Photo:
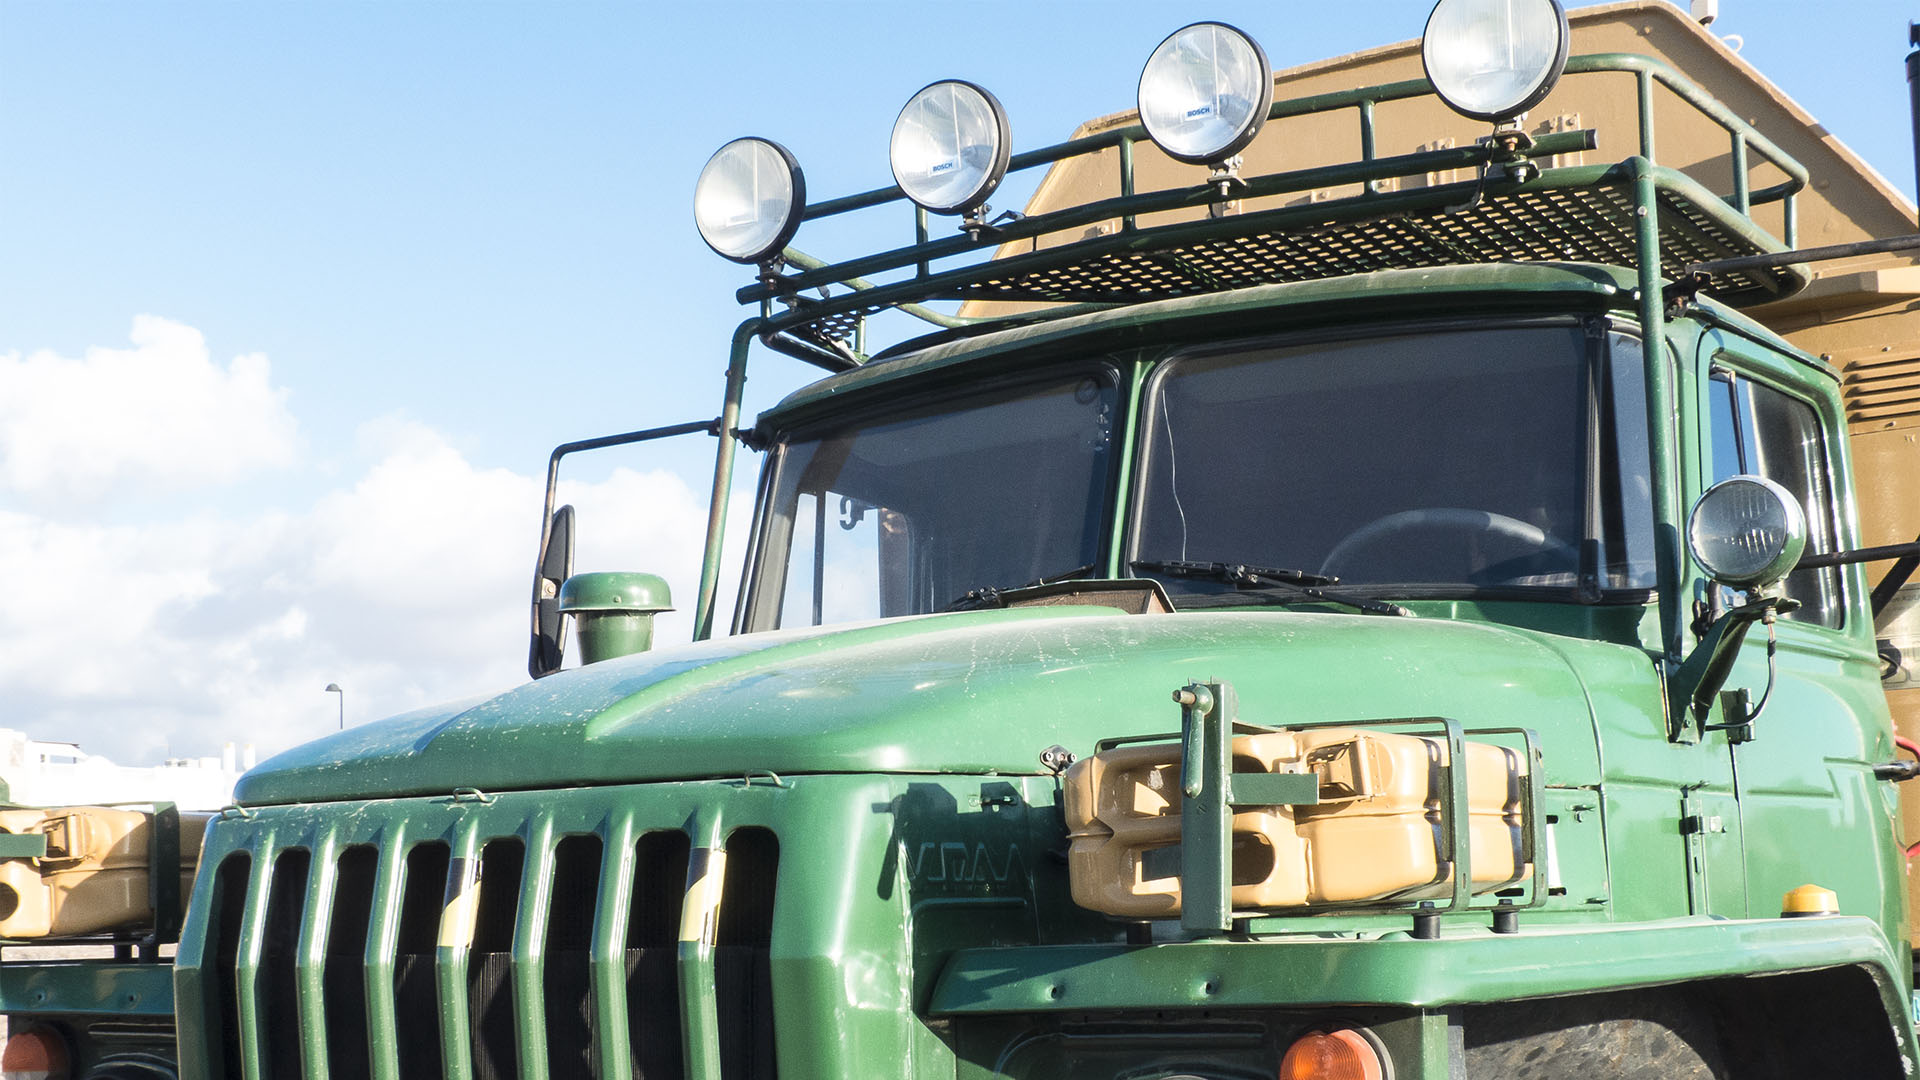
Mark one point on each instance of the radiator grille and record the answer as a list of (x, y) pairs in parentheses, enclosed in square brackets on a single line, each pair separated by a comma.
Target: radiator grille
[(508, 946)]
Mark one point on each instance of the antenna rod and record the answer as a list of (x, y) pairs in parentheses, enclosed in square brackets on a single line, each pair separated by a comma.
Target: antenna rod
[(1913, 95)]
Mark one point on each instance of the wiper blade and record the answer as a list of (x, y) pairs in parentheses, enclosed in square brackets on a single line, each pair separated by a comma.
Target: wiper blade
[(1233, 573), (1300, 583), (989, 595)]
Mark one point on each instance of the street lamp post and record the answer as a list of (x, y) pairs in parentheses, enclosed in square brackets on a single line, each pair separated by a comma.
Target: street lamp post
[(334, 688)]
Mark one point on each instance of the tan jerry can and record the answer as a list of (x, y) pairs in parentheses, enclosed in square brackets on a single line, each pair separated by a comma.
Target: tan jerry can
[(1374, 836), (93, 877)]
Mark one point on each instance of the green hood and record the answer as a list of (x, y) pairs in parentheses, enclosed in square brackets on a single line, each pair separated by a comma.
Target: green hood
[(973, 692)]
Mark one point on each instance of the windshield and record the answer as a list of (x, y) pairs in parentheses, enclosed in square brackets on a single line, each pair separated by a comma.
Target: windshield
[(1448, 459), (906, 513)]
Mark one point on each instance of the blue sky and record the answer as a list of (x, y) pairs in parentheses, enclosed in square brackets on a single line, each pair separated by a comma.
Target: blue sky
[(384, 256)]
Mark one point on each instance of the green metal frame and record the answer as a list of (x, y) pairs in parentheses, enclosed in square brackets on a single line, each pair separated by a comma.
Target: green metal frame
[(1211, 791)]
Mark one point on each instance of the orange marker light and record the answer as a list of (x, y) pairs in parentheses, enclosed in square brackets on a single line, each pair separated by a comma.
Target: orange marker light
[(34, 1055), (1334, 1055), (1809, 901)]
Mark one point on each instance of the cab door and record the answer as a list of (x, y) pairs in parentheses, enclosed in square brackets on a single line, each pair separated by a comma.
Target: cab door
[(1809, 807)]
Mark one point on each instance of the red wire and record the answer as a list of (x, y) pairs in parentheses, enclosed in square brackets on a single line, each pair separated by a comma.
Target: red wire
[(1913, 748)]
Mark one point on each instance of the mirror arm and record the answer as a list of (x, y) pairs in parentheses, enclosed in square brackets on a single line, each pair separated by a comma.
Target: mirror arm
[(1705, 670), (1902, 571), (1896, 578), (550, 567)]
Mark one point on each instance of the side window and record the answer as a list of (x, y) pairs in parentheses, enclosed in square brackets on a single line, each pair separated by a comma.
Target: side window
[(1787, 448), (1761, 431)]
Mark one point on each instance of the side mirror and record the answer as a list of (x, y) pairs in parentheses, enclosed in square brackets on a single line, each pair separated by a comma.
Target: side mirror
[(553, 567), (614, 611)]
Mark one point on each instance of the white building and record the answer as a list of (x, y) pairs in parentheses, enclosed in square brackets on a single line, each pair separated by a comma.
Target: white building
[(40, 773)]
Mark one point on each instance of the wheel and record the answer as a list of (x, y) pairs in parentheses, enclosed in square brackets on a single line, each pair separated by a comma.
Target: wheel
[(1636, 1035)]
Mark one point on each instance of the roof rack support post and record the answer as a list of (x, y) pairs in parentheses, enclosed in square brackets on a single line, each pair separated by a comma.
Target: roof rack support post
[(1367, 148), (1126, 178), (1663, 455), (1643, 78), (722, 478), (1740, 188), (1913, 94)]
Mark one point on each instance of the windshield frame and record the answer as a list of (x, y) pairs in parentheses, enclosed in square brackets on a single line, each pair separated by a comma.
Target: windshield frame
[(886, 403), (1191, 593)]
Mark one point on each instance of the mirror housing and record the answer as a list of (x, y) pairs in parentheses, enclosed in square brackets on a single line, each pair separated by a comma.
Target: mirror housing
[(554, 566), (614, 612)]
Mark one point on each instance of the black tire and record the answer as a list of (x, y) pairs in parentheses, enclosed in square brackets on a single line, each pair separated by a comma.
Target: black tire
[(1634, 1035)]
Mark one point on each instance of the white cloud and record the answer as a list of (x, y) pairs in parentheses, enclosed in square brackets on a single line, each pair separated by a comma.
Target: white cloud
[(162, 413), (406, 584)]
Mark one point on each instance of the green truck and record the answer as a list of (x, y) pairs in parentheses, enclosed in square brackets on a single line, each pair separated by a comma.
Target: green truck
[(1366, 585)]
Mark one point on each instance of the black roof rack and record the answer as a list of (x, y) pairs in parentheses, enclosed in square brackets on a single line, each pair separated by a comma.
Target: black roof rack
[(1514, 211)]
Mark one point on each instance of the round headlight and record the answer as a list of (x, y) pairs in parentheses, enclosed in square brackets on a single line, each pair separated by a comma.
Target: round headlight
[(1494, 59), (950, 147), (1205, 92), (1747, 531), (748, 201)]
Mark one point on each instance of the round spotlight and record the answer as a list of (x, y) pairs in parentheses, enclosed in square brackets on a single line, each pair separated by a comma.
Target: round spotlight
[(1494, 59), (1205, 92), (950, 147), (1747, 532), (748, 201)]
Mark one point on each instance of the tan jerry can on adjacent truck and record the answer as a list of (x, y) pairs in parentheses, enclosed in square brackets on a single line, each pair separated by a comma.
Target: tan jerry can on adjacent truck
[(1375, 835), (94, 876)]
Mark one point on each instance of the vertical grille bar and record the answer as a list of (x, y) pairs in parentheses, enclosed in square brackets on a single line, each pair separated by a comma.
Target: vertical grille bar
[(246, 962), (457, 913), (310, 960), (383, 934), (699, 1012), (530, 950), (608, 969)]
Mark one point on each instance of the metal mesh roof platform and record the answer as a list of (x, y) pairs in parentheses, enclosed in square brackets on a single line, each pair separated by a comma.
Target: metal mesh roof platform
[(1583, 214), (1561, 225)]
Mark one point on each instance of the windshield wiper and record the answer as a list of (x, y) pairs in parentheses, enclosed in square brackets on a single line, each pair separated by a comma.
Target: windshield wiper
[(1299, 582), (989, 595)]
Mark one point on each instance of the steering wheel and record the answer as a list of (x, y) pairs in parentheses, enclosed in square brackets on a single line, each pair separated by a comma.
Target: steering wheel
[(1452, 519)]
